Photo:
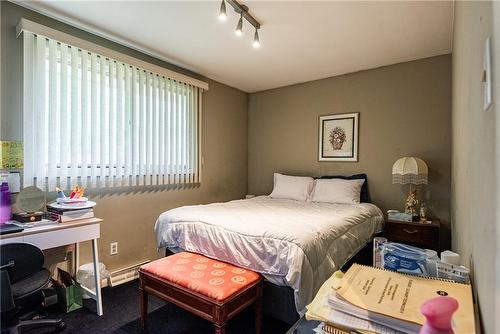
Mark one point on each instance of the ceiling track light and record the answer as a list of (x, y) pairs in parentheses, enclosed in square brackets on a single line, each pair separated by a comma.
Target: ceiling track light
[(244, 13), (256, 41), (222, 11), (239, 27)]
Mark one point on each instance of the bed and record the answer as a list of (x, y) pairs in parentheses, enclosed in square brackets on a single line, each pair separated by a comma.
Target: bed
[(292, 243)]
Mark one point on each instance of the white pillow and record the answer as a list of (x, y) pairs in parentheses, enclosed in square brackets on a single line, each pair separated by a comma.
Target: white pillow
[(292, 187), (337, 191)]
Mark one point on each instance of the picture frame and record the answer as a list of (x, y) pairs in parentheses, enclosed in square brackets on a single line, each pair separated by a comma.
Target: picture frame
[(338, 138)]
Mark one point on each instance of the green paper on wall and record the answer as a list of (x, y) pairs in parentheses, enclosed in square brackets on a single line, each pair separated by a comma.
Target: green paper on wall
[(11, 154)]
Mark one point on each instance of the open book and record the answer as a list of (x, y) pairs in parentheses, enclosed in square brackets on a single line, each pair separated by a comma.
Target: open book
[(394, 299)]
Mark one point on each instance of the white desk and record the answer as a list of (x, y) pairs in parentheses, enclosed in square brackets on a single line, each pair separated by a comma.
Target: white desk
[(62, 234)]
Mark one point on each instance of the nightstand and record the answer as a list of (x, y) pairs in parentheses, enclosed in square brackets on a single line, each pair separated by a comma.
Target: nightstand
[(415, 233)]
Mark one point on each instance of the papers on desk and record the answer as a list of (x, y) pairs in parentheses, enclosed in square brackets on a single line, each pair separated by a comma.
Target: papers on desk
[(368, 300), (351, 324), (366, 320), (321, 310), (42, 222)]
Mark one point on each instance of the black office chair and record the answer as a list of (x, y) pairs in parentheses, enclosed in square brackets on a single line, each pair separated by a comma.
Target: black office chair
[(22, 280)]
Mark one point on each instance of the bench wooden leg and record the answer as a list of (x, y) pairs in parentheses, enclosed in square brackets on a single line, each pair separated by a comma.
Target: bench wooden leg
[(144, 308), (220, 328)]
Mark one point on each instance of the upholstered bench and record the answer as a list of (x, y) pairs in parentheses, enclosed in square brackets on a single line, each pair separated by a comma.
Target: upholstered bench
[(211, 289)]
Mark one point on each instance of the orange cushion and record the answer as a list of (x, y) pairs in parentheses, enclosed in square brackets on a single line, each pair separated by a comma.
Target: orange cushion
[(212, 278)]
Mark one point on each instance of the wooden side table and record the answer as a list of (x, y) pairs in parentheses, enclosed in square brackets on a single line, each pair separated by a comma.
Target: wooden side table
[(423, 235)]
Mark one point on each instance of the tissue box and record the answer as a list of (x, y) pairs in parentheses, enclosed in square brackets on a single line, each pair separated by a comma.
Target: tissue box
[(399, 216)]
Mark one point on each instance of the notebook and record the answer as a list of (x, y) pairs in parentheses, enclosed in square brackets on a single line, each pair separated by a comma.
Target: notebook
[(320, 310), (8, 229), (397, 297)]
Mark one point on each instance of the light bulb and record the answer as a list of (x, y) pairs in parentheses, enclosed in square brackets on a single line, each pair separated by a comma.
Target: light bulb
[(239, 27), (256, 41), (222, 11), (222, 17)]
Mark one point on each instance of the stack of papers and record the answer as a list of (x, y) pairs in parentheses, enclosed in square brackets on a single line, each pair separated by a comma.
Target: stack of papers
[(368, 300), (370, 320), (321, 310)]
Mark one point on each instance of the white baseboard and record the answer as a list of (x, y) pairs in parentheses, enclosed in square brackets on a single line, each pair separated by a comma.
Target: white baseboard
[(126, 274)]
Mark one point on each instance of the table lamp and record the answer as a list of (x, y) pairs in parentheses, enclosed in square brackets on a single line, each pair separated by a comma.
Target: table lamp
[(412, 171)]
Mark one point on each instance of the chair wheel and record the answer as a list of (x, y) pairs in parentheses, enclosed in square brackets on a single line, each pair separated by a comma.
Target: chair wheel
[(61, 325)]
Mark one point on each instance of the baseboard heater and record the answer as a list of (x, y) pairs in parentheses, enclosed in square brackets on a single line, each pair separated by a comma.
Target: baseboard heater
[(126, 274)]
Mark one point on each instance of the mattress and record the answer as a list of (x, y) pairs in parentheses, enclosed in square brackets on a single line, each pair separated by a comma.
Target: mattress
[(292, 243)]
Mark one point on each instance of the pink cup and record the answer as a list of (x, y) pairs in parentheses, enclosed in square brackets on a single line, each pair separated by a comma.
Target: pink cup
[(438, 312)]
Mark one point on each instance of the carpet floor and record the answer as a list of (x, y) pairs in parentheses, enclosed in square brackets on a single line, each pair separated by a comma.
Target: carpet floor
[(121, 316)]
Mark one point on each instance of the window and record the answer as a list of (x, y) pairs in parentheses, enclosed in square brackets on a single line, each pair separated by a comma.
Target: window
[(99, 122)]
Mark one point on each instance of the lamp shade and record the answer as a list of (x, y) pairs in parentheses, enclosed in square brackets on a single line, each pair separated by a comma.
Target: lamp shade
[(409, 170)]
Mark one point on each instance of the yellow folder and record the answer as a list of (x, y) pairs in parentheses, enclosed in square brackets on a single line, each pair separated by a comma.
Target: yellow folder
[(400, 296)]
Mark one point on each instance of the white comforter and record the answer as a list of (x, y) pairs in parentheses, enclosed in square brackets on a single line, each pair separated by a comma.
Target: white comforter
[(298, 243)]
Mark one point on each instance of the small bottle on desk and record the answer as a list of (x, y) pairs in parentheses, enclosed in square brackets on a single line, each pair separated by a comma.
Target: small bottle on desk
[(5, 208)]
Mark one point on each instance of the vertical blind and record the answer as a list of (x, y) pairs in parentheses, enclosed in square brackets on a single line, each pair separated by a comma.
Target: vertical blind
[(98, 122)]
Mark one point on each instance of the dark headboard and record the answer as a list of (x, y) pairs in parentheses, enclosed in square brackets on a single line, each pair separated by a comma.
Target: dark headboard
[(365, 195)]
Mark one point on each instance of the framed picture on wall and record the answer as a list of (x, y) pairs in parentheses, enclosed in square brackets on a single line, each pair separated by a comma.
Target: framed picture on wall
[(338, 137)]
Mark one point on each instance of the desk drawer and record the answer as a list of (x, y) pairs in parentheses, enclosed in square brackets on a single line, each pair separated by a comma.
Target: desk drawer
[(51, 239)]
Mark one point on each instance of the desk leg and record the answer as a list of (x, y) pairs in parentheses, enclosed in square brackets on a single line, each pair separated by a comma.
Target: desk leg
[(77, 257), (97, 277)]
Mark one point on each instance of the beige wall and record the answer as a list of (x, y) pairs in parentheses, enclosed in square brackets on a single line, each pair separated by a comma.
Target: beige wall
[(404, 110), (474, 197), (129, 216), (496, 71)]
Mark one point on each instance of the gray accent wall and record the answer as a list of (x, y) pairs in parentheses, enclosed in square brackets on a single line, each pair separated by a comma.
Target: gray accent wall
[(404, 110)]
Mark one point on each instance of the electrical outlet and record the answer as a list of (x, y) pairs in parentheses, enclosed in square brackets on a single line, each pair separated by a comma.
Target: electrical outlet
[(113, 248)]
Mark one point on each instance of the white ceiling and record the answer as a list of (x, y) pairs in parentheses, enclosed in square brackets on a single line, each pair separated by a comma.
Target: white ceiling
[(301, 40)]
